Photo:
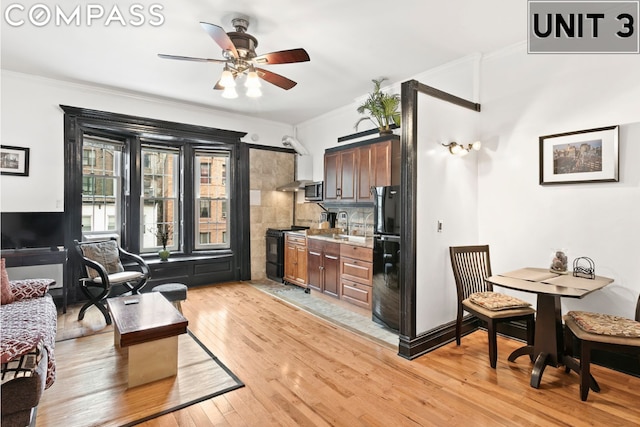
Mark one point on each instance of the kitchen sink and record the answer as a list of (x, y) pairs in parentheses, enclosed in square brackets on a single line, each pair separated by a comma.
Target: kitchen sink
[(349, 238)]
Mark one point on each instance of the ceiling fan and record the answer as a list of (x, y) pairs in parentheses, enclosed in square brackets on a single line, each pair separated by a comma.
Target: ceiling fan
[(240, 58)]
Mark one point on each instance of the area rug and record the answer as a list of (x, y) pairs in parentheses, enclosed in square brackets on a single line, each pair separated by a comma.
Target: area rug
[(91, 384)]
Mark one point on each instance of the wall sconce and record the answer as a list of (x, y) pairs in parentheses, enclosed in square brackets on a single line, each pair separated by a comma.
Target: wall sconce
[(461, 150)]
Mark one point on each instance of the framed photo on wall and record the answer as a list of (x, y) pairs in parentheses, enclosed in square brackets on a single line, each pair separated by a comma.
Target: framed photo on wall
[(579, 157), (14, 160)]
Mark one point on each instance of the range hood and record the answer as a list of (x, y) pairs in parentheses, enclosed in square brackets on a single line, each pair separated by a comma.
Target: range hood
[(302, 176), (294, 185)]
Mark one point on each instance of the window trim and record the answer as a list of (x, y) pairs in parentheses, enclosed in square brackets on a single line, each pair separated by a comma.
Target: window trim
[(234, 263)]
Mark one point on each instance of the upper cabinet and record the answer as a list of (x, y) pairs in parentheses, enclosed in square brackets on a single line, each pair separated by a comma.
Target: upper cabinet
[(350, 172), (340, 175)]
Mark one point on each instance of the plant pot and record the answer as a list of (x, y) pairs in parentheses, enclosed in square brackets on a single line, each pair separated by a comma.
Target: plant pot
[(384, 132), (164, 255)]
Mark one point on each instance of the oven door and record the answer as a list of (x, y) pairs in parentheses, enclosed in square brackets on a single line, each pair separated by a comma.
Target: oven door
[(273, 249)]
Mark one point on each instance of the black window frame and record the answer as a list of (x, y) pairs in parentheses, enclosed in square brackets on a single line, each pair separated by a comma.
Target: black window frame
[(190, 138)]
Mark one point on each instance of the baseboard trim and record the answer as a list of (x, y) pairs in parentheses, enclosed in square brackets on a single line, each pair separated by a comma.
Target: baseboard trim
[(410, 349)]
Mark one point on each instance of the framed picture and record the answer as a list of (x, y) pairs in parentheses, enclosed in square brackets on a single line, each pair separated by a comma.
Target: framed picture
[(579, 157), (14, 160)]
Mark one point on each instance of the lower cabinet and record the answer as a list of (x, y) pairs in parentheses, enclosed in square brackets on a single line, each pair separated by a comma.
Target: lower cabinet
[(295, 259), (323, 267), (356, 274)]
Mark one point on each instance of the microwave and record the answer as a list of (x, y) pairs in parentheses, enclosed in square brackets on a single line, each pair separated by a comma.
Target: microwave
[(313, 192)]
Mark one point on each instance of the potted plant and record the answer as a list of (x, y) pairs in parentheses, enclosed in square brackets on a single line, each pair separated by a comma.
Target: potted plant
[(162, 232), (381, 108)]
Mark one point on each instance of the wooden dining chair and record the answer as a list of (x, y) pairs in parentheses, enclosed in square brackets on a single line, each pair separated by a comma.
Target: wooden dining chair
[(471, 266), (597, 331)]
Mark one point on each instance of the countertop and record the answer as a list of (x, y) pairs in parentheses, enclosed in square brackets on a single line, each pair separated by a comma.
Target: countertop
[(331, 235)]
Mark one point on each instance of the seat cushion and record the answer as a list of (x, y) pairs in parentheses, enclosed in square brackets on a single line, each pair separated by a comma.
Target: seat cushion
[(478, 310), (496, 301), (121, 277), (105, 254), (599, 338), (605, 324)]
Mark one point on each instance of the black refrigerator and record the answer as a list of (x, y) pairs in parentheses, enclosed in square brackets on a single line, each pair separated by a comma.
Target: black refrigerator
[(386, 257)]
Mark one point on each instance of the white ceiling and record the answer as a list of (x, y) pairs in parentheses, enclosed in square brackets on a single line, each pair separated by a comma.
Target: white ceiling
[(350, 42)]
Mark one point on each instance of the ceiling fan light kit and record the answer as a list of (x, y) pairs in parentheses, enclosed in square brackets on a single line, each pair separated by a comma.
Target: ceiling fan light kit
[(240, 59)]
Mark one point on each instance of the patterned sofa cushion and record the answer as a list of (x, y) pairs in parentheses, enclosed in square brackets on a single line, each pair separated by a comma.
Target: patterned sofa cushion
[(496, 301), (606, 324), (30, 288), (24, 325), (23, 366)]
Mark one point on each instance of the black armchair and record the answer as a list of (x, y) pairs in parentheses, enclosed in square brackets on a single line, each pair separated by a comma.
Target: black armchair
[(104, 275)]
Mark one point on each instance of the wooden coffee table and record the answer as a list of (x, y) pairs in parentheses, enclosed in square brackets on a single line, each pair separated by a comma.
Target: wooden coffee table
[(148, 325)]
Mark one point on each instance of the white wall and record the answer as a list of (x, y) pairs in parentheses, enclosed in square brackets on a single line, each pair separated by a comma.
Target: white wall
[(527, 96), (31, 117), (493, 196)]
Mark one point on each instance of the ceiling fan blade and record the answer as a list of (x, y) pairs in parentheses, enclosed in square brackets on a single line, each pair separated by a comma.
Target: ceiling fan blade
[(220, 36), (190, 58), (283, 57), (275, 79)]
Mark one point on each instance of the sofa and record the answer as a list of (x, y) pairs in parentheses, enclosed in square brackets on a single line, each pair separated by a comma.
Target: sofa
[(27, 333)]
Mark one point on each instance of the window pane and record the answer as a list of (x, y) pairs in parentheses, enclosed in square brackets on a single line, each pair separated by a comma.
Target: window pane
[(101, 184), (159, 201), (212, 193)]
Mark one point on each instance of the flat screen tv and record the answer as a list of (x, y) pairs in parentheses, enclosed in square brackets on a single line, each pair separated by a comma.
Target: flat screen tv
[(22, 230)]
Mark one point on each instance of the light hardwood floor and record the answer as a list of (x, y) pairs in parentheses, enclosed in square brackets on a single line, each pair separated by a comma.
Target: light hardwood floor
[(300, 370)]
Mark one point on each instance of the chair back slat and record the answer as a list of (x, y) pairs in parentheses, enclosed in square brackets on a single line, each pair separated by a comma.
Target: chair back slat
[(471, 266)]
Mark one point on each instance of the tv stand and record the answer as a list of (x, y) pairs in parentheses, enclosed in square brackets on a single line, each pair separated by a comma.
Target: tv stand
[(34, 263)]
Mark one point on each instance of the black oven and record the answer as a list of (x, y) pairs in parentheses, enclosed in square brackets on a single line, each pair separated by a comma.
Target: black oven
[(275, 251)]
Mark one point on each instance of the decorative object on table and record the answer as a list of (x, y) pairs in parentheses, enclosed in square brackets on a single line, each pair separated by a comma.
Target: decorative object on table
[(584, 267), (559, 262), (577, 157), (382, 109), (14, 160), (162, 232)]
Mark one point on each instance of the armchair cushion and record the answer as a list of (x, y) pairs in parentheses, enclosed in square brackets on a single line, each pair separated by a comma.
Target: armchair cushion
[(605, 324), (104, 253), (121, 277), (496, 301)]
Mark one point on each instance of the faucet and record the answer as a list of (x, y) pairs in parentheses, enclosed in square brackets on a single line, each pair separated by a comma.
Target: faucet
[(366, 224), (343, 217)]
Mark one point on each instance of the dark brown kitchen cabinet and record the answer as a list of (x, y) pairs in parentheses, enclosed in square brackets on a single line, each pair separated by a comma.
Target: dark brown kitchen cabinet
[(340, 175), (356, 275), (350, 172), (323, 266), (295, 259), (376, 164)]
